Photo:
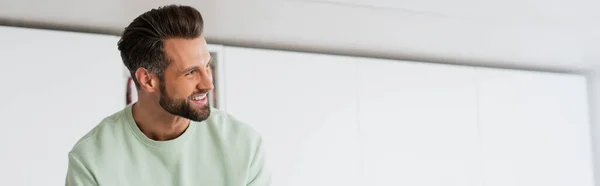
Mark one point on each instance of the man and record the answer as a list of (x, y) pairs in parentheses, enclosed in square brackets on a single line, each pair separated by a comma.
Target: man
[(171, 136)]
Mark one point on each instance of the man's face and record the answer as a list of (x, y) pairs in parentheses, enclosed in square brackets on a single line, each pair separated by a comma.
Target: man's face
[(188, 78)]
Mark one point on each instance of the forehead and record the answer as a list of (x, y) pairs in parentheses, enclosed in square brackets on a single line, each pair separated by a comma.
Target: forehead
[(183, 53)]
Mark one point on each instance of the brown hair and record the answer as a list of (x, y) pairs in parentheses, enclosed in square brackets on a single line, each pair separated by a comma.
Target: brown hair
[(141, 44)]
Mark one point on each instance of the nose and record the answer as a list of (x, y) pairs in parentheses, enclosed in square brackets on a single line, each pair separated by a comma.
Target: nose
[(206, 81)]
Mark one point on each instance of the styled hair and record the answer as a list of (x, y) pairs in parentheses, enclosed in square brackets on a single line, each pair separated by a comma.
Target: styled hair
[(141, 44)]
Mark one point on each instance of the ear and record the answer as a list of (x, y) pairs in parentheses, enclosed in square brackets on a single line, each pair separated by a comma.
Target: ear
[(148, 81)]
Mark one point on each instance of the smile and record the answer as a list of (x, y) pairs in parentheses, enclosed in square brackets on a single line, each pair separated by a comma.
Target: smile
[(199, 97)]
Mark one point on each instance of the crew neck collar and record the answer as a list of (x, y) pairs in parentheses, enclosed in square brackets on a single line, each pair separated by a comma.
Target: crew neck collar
[(158, 145)]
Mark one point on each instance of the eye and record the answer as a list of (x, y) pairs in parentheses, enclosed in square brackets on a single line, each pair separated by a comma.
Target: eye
[(190, 73), (208, 65)]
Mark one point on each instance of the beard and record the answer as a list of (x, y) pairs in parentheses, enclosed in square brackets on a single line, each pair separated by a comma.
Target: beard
[(182, 107)]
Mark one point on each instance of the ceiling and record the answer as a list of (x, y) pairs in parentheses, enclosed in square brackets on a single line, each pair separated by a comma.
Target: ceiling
[(553, 35)]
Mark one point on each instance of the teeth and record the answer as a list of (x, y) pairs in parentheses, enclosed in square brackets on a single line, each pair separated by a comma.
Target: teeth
[(199, 97)]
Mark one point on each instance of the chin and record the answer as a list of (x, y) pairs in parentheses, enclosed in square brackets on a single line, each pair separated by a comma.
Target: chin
[(201, 114)]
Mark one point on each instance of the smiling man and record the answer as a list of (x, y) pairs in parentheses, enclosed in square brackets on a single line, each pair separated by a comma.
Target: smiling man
[(171, 135)]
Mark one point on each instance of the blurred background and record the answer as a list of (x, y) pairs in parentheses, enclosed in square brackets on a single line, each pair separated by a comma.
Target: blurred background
[(345, 92)]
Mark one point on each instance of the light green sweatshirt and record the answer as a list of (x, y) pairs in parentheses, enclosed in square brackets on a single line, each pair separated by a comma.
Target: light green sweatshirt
[(220, 151)]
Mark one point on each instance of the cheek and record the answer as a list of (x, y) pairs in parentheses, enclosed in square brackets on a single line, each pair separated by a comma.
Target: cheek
[(184, 88), (175, 89)]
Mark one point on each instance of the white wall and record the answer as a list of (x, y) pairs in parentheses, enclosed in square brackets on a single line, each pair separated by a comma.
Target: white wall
[(56, 86), (534, 34)]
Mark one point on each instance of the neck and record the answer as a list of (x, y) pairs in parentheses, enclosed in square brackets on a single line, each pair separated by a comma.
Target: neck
[(156, 123)]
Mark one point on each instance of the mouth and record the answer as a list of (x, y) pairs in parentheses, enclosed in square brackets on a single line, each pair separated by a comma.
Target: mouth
[(200, 98)]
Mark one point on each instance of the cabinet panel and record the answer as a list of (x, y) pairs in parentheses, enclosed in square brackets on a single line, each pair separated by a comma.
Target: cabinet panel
[(535, 128), (418, 124), (331, 120), (305, 105), (56, 86)]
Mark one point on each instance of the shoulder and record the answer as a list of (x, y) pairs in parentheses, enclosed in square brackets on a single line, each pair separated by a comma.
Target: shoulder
[(229, 125), (100, 136), (236, 136)]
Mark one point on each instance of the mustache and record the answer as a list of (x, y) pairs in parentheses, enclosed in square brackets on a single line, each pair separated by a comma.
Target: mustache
[(200, 92)]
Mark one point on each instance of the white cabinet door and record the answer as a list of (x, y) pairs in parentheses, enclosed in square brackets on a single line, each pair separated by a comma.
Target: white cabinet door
[(305, 105), (535, 128), (56, 86), (418, 124)]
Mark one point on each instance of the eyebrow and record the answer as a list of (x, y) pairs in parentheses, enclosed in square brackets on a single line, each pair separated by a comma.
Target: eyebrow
[(210, 61)]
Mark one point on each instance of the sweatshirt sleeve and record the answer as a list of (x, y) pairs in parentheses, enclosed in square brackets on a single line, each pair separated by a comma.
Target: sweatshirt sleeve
[(78, 174), (259, 173)]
